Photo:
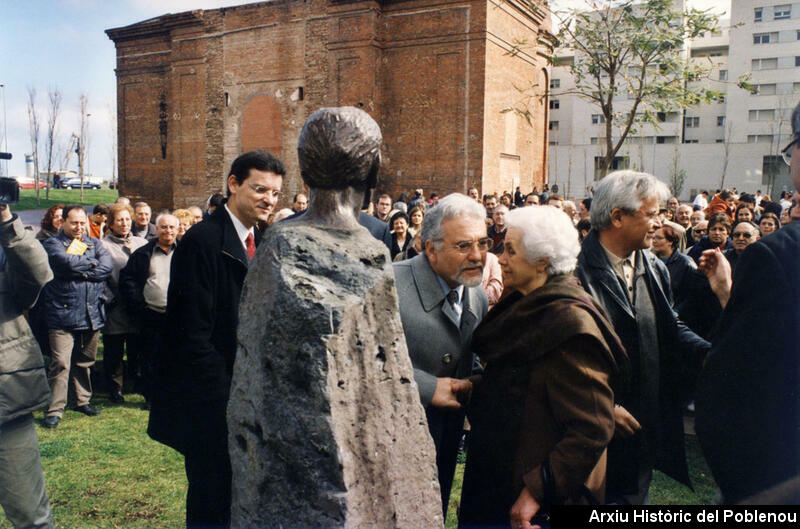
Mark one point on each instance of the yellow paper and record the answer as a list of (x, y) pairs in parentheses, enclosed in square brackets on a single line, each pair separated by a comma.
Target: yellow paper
[(76, 247)]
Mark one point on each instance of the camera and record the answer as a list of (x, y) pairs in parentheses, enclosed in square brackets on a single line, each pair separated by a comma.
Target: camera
[(9, 191)]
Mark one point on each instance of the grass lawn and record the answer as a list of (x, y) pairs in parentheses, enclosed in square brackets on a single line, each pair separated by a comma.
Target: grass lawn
[(27, 198)]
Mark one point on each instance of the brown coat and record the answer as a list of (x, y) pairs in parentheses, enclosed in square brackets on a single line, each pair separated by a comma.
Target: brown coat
[(544, 406)]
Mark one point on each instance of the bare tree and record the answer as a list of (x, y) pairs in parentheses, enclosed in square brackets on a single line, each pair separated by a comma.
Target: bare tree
[(33, 130), (53, 109), (83, 139)]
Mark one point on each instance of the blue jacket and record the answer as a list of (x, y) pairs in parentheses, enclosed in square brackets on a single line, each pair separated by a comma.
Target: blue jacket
[(73, 301)]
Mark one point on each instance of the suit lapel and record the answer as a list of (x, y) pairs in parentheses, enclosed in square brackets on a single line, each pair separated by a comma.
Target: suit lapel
[(430, 291), (231, 244)]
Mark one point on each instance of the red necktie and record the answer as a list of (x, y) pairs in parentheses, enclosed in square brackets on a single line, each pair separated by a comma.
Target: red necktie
[(251, 245)]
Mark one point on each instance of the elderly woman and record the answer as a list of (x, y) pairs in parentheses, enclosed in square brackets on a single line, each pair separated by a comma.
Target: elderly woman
[(120, 329), (401, 239), (542, 412)]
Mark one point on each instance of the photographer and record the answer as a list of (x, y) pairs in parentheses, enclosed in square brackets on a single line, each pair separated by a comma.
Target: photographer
[(23, 384)]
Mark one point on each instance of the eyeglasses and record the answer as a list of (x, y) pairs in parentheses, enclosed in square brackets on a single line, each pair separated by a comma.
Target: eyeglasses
[(700, 232), (743, 234), (786, 153), (464, 247), (264, 191)]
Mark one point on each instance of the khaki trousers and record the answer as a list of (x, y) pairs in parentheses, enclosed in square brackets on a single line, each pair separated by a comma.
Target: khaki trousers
[(73, 353)]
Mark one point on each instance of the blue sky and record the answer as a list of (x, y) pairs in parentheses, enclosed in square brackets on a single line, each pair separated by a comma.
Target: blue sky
[(61, 43)]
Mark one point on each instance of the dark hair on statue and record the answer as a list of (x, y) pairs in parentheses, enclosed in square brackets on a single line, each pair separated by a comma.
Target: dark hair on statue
[(340, 148), (259, 160)]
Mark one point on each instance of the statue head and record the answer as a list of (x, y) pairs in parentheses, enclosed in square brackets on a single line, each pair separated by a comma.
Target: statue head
[(340, 148)]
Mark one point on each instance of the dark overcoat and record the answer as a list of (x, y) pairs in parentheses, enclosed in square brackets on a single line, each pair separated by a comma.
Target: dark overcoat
[(206, 277), (748, 395), (542, 412), (677, 361)]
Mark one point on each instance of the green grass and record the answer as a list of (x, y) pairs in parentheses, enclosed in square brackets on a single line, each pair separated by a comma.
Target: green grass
[(27, 198), (105, 472)]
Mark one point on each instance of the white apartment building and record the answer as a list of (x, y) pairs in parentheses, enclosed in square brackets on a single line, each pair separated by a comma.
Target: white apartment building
[(735, 143)]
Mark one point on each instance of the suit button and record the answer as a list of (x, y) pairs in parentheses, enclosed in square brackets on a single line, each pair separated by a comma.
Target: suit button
[(446, 359)]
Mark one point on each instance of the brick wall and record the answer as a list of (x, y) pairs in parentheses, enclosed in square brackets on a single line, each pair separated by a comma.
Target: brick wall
[(435, 74)]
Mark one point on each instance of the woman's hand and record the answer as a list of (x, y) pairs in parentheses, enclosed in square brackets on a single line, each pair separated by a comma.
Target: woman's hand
[(523, 510), (626, 424)]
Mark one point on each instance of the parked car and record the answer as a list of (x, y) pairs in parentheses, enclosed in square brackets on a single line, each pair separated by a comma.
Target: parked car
[(75, 183), (29, 183)]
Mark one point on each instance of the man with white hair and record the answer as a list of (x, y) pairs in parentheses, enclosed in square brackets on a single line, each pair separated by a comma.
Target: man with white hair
[(441, 303), (633, 286), (143, 285)]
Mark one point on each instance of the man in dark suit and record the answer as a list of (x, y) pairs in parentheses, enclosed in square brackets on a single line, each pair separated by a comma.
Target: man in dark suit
[(748, 409), (441, 303), (633, 286), (206, 277)]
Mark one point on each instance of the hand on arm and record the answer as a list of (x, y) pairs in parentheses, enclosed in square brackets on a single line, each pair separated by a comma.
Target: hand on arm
[(450, 393), (626, 424), (523, 510), (717, 269)]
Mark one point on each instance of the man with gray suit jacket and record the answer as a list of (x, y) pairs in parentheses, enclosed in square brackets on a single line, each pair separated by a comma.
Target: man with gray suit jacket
[(441, 303)]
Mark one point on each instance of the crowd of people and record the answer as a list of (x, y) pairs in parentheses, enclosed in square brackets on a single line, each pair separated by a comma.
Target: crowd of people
[(569, 338)]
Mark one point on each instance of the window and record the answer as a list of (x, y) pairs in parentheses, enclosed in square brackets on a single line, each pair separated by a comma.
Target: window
[(661, 117), (765, 89), (795, 88), (723, 75), (797, 61), (766, 64), (554, 104), (593, 140), (666, 139), (720, 121), (553, 142), (553, 125), (720, 141), (598, 118), (798, 34), (758, 14), (764, 114), (691, 141), (692, 122), (782, 12), (555, 83), (762, 38), (759, 138)]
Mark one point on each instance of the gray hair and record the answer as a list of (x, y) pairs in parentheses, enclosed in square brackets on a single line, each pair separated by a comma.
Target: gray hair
[(142, 205), (451, 206), (624, 190), (164, 215), (547, 232)]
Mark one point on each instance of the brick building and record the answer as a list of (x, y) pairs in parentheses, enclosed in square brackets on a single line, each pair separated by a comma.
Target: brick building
[(196, 89)]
